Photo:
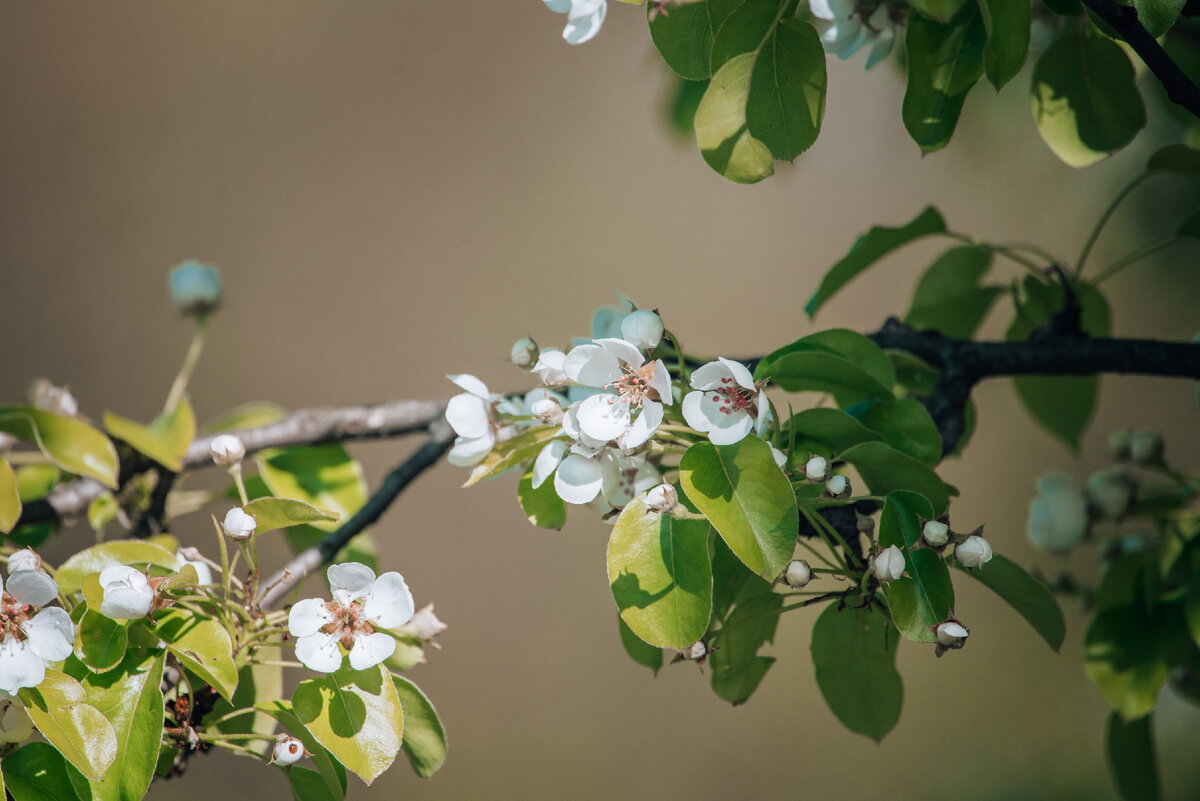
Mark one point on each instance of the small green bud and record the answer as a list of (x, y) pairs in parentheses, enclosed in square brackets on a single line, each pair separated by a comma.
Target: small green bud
[(196, 288)]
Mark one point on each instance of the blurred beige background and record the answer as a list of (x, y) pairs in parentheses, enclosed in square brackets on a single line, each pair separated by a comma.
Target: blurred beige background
[(398, 190)]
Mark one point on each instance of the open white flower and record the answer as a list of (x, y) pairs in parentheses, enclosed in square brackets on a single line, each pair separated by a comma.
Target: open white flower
[(24, 559), (361, 605), (127, 593), (28, 641), (581, 472), (853, 28), (640, 386), (727, 405), (471, 416), (15, 725), (549, 367), (584, 18)]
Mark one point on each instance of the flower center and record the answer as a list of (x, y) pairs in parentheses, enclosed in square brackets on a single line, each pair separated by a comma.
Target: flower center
[(348, 622), (733, 398), (633, 387), (12, 615)]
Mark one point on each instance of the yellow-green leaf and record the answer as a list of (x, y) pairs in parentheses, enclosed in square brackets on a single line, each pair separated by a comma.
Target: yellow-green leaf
[(165, 439), (71, 444), (10, 497), (59, 709)]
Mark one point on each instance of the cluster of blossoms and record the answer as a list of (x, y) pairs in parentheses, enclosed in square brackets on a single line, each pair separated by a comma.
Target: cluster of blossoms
[(31, 637)]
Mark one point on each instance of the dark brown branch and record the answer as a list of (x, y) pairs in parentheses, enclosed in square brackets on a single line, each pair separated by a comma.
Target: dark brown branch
[(1124, 20)]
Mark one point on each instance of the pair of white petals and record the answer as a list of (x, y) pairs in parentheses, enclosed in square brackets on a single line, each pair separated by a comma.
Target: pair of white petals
[(604, 417), (850, 32), (584, 18), (470, 415), (703, 409), (385, 603)]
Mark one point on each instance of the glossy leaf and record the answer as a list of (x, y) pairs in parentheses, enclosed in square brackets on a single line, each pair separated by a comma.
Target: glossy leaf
[(356, 715), (424, 740), (248, 415), (854, 651), (851, 346), (71, 444), (202, 645), (272, 513), (684, 39), (1007, 24), (37, 772), (1157, 16), (948, 297), (257, 683), (322, 475), (940, 10), (331, 772), (886, 470), (681, 110), (1130, 750), (512, 452), (748, 500), (737, 669), (1179, 159), (944, 62), (787, 90), (831, 427), (925, 596), (165, 439), (721, 132), (10, 498), (35, 481), (661, 579), (639, 650), (904, 424), (542, 506), (876, 243), (1030, 597), (101, 641), (58, 707), (118, 552), (1123, 658), (1085, 102), (744, 29)]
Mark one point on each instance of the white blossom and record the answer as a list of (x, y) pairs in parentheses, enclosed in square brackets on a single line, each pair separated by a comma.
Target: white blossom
[(889, 564), (974, 551), (640, 387), (549, 367), (584, 18), (238, 525), (951, 634), (643, 328), (287, 751), (361, 605), (936, 533), (662, 499), (424, 625), (471, 415), (24, 559), (127, 593), (581, 472), (727, 404), (58, 400), (1058, 517), (192, 556), (15, 725), (797, 573), (524, 353), (227, 449), (547, 411), (838, 487), (816, 468), (852, 28), (28, 641)]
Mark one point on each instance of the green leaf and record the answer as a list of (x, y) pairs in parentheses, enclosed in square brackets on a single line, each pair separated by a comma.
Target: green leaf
[(737, 669), (101, 511), (1192, 609), (1027, 595), (332, 774), (1063, 406), (132, 701), (356, 715), (681, 110), (831, 427), (10, 497), (906, 425), (876, 243), (744, 29), (248, 415), (660, 575), (322, 475), (944, 62), (684, 39), (512, 452), (69, 443), (850, 345), (424, 737), (886, 470), (309, 785), (1157, 16), (101, 641), (272, 513), (1085, 101), (165, 440), (948, 297), (118, 552), (1007, 24), (1131, 760), (748, 500), (787, 90), (35, 481), (638, 649), (202, 645), (924, 597), (838, 361), (940, 10), (1179, 159), (721, 132), (37, 772), (542, 506), (59, 709), (854, 651), (1123, 658)]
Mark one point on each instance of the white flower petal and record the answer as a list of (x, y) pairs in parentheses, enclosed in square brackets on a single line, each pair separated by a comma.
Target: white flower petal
[(738, 372), (19, 665), (660, 382), (625, 351), (32, 587), (592, 366), (708, 376), (468, 415), (15, 724), (389, 603), (350, 581), (644, 426), (578, 479), (738, 425), (370, 649), (549, 367), (470, 451), (122, 602), (820, 9), (584, 20), (883, 45), (603, 417), (558, 6), (547, 461), (693, 414), (123, 574), (51, 634), (472, 385), (319, 652), (307, 617)]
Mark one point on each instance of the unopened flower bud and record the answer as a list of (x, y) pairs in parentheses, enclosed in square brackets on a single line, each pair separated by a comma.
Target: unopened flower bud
[(1146, 448), (238, 525), (1118, 445), (816, 468), (547, 410), (58, 400), (288, 751), (424, 624), (696, 652), (1058, 517), (951, 634), (642, 328), (524, 353), (24, 559), (662, 499), (889, 564), (838, 487), (127, 593), (797, 573), (15, 725), (1111, 493), (973, 552), (936, 533), (227, 449), (195, 288)]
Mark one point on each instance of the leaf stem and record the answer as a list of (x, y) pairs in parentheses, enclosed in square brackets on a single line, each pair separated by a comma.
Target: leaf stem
[(1108, 212), (1137, 255), (189, 364)]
